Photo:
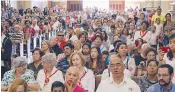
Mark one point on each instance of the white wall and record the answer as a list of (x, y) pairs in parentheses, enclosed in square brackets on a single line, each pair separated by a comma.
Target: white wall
[(39, 3), (103, 4), (14, 3)]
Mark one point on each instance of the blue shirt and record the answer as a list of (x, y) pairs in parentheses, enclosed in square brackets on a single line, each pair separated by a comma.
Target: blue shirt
[(157, 88)]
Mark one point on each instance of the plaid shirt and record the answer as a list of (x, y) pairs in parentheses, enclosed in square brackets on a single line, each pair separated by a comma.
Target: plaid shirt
[(63, 65)]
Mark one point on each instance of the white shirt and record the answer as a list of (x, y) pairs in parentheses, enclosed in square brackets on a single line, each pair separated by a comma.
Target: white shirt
[(130, 64), (153, 38), (127, 85), (88, 81), (106, 74), (159, 28), (56, 25), (145, 38), (58, 76), (73, 38), (170, 62), (36, 28)]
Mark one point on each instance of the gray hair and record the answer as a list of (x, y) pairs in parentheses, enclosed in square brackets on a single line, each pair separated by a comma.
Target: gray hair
[(49, 58), (19, 61)]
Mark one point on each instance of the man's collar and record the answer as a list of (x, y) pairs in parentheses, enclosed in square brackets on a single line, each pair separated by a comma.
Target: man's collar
[(166, 90), (112, 81)]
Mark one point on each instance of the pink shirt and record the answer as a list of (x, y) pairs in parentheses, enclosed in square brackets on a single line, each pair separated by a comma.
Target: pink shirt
[(78, 89)]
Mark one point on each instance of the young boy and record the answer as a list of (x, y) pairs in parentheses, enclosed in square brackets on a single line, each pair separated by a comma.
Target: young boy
[(153, 37)]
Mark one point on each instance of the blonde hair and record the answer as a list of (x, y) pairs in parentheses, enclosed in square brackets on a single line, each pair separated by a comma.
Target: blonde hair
[(16, 83), (81, 57)]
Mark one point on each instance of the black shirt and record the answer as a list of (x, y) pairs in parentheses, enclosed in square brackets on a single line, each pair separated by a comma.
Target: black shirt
[(31, 66), (138, 58)]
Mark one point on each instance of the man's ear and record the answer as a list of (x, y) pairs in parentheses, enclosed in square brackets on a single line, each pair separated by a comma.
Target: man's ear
[(172, 76)]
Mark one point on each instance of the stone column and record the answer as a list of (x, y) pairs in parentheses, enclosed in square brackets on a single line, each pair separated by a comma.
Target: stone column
[(172, 11)]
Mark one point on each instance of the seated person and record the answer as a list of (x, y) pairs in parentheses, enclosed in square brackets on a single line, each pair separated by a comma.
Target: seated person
[(18, 85), (19, 70), (71, 83)]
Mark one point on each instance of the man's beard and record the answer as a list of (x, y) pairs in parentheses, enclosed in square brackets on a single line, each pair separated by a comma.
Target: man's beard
[(165, 82)]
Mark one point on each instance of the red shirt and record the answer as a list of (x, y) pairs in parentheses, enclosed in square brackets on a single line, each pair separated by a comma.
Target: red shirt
[(61, 44), (79, 89), (150, 18)]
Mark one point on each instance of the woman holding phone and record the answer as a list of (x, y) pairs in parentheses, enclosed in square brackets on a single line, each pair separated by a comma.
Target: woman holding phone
[(168, 56)]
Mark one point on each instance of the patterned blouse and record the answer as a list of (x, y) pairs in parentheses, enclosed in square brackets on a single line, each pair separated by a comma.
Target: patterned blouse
[(9, 77)]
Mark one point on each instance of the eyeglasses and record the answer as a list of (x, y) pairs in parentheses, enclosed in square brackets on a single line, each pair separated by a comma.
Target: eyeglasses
[(163, 75), (60, 35), (115, 65)]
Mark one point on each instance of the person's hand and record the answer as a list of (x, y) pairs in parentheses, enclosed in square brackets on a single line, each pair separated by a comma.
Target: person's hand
[(2, 50), (161, 55), (142, 63), (68, 87)]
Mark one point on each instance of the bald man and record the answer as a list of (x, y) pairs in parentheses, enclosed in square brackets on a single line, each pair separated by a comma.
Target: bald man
[(117, 81), (72, 76)]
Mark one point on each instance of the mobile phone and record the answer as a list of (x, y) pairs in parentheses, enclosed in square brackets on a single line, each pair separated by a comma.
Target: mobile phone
[(137, 43), (165, 49)]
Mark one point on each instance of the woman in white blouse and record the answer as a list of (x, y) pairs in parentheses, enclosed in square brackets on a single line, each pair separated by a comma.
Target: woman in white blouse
[(87, 79), (143, 33), (49, 73), (129, 62)]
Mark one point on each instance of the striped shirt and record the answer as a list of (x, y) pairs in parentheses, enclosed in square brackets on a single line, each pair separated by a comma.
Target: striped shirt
[(17, 37)]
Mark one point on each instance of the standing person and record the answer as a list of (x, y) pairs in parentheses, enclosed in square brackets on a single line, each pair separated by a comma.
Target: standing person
[(165, 75), (86, 78), (146, 14), (71, 83), (150, 16), (36, 65), (158, 15), (16, 38), (168, 22), (117, 82), (159, 27), (143, 33), (140, 20), (6, 51), (153, 37)]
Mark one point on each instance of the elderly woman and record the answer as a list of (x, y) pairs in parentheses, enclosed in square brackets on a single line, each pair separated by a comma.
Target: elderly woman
[(19, 70), (49, 73), (86, 78)]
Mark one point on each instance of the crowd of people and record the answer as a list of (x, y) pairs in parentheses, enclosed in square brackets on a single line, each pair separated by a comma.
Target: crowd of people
[(93, 51)]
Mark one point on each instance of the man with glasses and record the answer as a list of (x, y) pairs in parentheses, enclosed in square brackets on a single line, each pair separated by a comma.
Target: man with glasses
[(165, 75), (61, 39), (117, 82), (158, 15)]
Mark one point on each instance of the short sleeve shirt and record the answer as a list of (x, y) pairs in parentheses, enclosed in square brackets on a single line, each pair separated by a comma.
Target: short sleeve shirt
[(9, 77)]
